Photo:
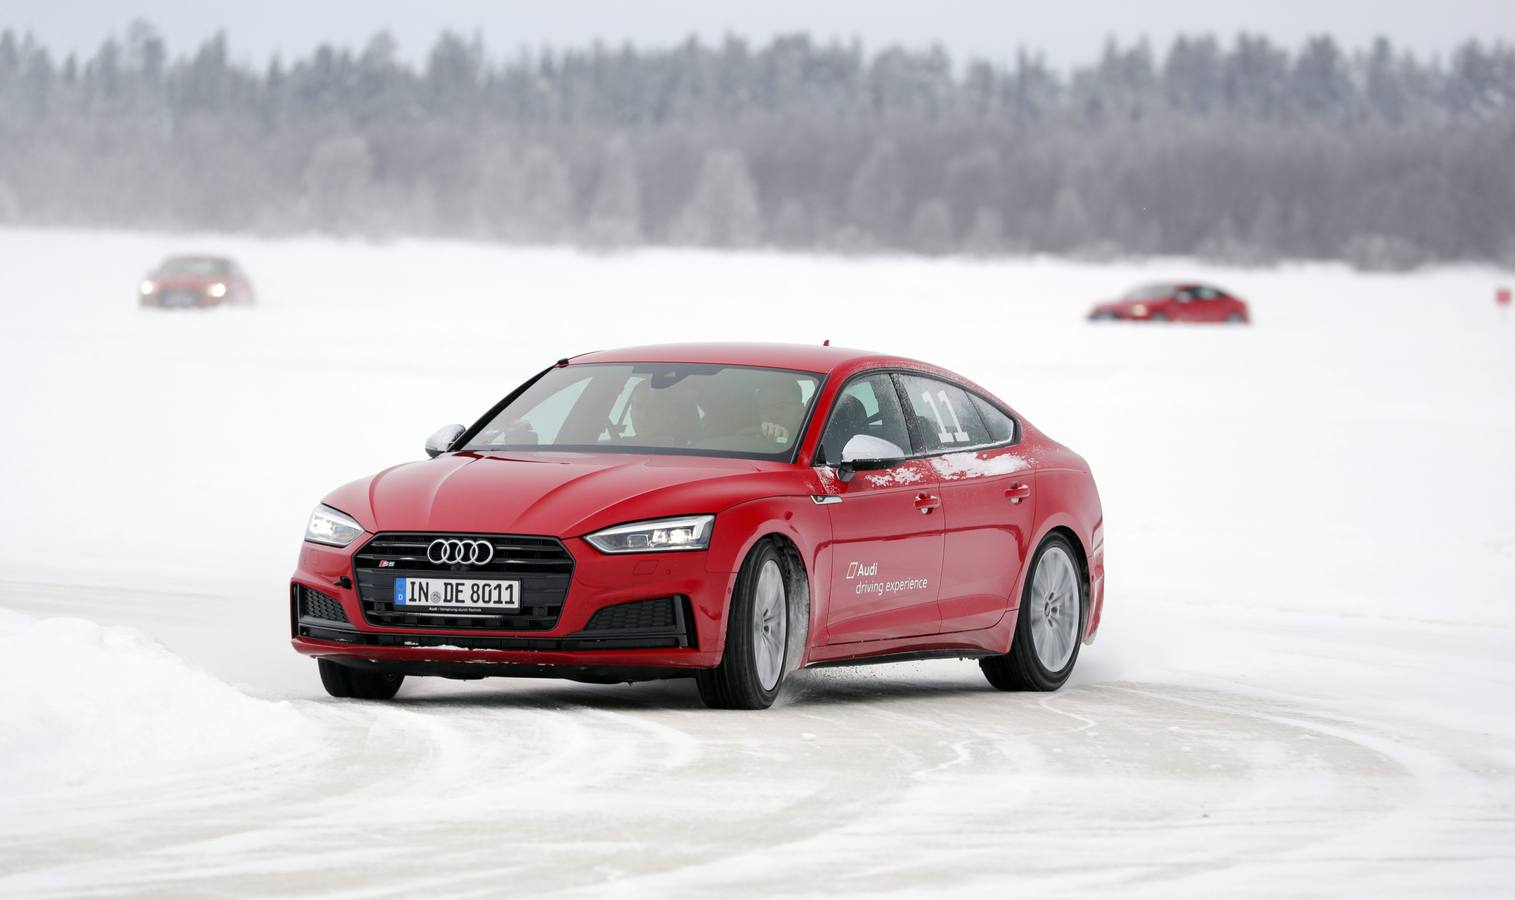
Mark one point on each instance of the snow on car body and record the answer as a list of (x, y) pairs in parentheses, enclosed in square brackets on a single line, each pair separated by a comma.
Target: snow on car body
[(731, 512)]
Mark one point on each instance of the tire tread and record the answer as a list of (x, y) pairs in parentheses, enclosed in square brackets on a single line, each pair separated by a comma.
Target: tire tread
[(1020, 670), (733, 684)]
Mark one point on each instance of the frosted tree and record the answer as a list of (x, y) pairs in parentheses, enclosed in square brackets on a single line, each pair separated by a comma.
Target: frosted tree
[(931, 228), (336, 180), (10, 204), (876, 197), (792, 225), (546, 198), (615, 212), (1068, 225), (986, 234), (723, 210), (1315, 151)]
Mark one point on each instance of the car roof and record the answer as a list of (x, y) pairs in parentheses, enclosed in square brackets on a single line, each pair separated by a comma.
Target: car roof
[(803, 357)]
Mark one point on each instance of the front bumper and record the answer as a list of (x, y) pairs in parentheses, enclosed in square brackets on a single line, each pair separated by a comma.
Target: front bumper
[(179, 300), (573, 647)]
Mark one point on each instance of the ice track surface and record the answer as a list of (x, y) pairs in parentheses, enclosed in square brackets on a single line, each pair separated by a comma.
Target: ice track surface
[(1303, 684)]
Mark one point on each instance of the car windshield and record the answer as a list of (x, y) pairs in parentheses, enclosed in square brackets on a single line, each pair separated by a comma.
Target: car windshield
[(194, 265), (1150, 292), (657, 407)]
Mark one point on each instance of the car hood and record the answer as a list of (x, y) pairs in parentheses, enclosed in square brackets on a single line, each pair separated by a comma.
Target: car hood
[(560, 494)]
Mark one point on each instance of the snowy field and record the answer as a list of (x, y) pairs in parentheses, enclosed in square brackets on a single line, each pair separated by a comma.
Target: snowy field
[(1303, 684)]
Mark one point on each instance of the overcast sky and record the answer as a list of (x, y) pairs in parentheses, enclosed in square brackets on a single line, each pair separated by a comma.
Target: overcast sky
[(1067, 30)]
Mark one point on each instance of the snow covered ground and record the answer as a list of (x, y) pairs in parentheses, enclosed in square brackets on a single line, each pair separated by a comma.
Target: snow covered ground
[(1303, 684)]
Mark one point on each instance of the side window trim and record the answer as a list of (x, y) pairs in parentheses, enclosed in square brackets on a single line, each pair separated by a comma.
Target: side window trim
[(916, 443), (903, 397)]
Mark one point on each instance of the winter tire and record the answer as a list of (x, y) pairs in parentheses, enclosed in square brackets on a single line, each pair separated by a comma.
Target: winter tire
[(757, 636), (359, 684), (1049, 626)]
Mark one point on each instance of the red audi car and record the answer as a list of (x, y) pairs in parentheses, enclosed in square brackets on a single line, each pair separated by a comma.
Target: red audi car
[(1174, 303), (195, 281), (727, 512)]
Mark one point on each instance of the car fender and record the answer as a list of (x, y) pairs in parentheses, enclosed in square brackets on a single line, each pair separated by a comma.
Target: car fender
[(1069, 500), (807, 526)]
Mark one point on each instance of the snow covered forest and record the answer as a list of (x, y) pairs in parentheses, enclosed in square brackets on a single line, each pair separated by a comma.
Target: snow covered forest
[(1237, 150)]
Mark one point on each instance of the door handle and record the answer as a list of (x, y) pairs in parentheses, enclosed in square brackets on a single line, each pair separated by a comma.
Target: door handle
[(927, 502), (1018, 492)]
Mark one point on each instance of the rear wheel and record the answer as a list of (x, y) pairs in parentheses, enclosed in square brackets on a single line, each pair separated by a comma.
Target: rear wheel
[(757, 636), (1234, 318), (1049, 625), (359, 684)]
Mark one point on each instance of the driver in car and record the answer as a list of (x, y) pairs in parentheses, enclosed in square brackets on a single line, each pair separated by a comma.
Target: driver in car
[(666, 417), (780, 407)]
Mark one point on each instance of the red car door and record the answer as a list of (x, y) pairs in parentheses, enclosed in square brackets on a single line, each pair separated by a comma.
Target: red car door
[(886, 523), (988, 495), (1209, 305), (1185, 306)]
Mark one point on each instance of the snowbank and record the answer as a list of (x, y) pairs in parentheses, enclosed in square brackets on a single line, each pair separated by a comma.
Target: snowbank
[(84, 704)]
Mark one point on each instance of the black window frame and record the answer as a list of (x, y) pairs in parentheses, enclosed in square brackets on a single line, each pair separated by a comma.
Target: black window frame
[(916, 444)]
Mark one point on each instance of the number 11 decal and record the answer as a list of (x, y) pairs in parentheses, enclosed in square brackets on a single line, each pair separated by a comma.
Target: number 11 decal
[(957, 435)]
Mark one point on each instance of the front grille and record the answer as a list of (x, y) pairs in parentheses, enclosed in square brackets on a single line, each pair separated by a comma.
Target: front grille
[(316, 605), (542, 565), (637, 615)]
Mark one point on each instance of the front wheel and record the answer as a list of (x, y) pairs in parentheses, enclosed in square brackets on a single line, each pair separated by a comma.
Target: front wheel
[(1050, 624), (359, 684), (757, 637)]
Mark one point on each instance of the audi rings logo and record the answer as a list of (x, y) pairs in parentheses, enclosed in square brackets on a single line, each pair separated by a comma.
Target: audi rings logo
[(449, 551)]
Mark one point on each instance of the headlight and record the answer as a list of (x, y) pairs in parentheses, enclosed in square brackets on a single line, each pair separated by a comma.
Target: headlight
[(217, 290), (327, 526), (1139, 310), (147, 287), (686, 533)]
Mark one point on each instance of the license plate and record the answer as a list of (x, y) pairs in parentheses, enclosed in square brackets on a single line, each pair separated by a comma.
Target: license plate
[(457, 593)]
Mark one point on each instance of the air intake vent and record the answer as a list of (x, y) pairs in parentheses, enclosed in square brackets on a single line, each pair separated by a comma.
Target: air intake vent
[(639, 614), (316, 605)]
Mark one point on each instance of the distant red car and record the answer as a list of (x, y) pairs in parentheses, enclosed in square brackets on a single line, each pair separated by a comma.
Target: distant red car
[(195, 281), (727, 512), (1174, 303)]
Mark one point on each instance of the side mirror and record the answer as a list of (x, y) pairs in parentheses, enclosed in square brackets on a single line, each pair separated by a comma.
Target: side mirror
[(864, 452), (443, 439)]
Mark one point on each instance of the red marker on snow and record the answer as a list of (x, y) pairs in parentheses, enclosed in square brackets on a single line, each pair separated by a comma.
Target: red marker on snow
[(1502, 296)]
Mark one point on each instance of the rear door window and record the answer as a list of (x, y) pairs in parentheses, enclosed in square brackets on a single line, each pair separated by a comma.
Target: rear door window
[(941, 416)]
